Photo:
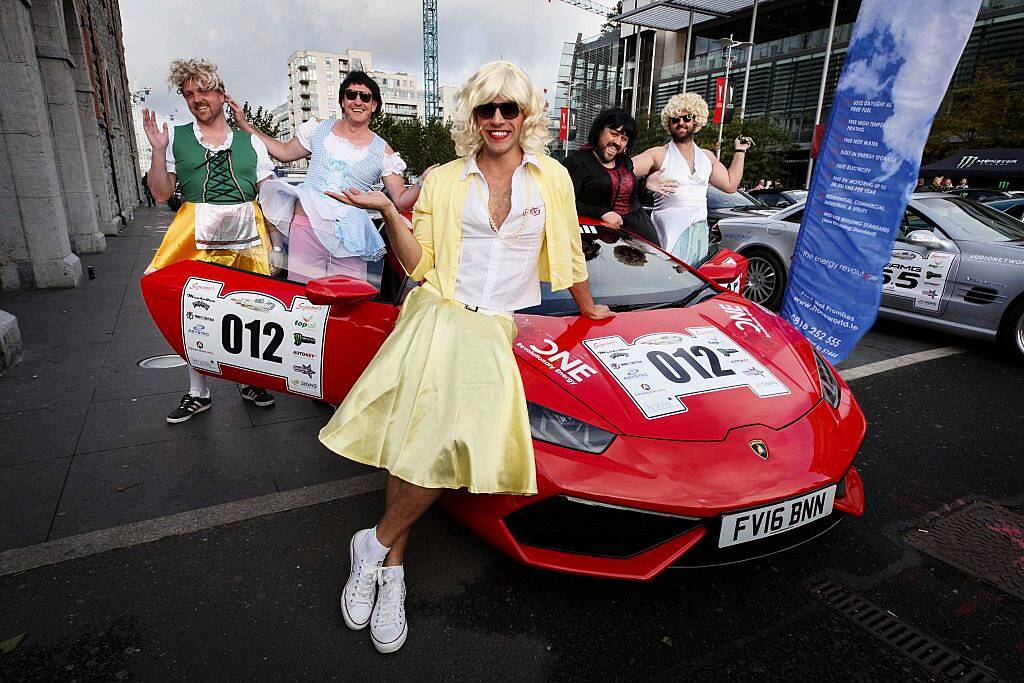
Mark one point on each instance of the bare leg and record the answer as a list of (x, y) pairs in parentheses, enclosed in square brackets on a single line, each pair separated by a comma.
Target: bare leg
[(397, 551), (405, 504)]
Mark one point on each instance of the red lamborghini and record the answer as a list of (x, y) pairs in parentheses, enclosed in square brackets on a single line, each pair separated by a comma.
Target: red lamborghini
[(695, 428)]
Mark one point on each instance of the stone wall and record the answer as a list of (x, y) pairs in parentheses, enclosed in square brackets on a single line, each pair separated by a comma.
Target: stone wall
[(68, 176)]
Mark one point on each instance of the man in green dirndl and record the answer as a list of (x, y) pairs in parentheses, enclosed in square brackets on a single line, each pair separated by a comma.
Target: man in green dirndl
[(442, 405)]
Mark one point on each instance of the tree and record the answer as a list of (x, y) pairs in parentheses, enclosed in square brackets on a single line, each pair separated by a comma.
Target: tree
[(610, 25), (420, 145), (764, 160), (264, 121), (981, 114)]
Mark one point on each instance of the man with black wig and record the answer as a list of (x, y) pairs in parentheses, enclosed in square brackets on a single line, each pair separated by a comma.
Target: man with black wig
[(602, 176)]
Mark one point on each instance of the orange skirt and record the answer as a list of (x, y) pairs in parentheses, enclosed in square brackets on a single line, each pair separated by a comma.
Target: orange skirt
[(179, 244)]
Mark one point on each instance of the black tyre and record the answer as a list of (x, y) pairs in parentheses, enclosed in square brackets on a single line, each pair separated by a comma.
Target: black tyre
[(766, 278), (1011, 333)]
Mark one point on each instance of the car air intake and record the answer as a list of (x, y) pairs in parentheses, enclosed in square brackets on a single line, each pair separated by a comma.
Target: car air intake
[(573, 525), (981, 295)]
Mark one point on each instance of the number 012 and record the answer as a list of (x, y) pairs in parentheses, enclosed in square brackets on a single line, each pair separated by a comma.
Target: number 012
[(232, 334)]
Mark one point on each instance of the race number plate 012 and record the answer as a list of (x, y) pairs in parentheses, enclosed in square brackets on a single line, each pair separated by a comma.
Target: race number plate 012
[(255, 332), (656, 370), (752, 525)]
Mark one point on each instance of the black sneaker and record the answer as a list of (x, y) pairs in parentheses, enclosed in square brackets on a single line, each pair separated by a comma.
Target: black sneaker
[(189, 406), (257, 395)]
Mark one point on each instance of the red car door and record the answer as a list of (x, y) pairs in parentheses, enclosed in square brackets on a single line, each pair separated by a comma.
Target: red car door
[(268, 331)]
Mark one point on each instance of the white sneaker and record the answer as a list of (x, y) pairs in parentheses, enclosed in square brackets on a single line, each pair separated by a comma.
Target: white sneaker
[(388, 629), (360, 589)]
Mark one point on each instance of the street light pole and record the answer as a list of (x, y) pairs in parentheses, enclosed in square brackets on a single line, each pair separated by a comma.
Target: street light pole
[(821, 89), (729, 44)]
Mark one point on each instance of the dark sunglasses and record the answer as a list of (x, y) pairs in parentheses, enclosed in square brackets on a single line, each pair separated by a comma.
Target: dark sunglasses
[(509, 110), (685, 118), (351, 95)]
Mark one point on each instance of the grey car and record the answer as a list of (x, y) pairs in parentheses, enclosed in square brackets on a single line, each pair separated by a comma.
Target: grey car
[(957, 266)]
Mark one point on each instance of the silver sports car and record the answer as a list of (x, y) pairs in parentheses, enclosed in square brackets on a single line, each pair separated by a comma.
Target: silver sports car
[(956, 266)]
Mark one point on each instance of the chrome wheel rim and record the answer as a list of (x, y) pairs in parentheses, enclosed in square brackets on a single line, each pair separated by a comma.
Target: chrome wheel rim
[(760, 280), (1018, 334)]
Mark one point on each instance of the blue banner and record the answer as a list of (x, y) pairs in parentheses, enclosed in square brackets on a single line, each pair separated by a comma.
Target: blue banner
[(898, 66)]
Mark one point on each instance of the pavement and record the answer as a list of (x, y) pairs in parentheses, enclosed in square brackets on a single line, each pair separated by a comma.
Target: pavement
[(133, 549)]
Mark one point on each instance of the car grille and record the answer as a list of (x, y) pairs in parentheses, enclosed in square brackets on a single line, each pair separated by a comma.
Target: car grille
[(572, 525), (981, 295)]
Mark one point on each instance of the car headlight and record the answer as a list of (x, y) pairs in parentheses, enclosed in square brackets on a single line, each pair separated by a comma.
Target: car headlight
[(827, 379), (562, 430)]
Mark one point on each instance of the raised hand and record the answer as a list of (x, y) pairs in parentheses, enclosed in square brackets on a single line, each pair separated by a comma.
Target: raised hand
[(158, 139), (743, 143), (363, 200)]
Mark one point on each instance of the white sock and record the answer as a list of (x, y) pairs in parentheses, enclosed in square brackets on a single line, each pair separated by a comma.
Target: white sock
[(374, 546), (197, 384)]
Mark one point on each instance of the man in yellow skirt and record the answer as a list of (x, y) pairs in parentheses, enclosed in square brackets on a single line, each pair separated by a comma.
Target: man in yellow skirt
[(442, 405), (219, 171)]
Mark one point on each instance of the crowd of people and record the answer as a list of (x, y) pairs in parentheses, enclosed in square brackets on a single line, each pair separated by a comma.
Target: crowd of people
[(941, 184), (441, 405)]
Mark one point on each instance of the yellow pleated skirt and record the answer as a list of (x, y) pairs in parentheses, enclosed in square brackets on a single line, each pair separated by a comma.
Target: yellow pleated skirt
[(179, 244), (442, 404)]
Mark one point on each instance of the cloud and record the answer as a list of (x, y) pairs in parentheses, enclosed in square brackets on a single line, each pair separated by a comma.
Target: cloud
[(925, 44), (251, 41)]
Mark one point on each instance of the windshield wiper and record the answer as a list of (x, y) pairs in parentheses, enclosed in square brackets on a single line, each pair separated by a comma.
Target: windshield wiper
[(679, 303)]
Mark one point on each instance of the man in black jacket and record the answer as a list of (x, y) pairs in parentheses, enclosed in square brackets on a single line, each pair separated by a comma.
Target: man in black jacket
[(602, 176)]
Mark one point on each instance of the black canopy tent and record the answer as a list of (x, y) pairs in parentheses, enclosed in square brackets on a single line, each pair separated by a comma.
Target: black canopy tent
[(992, 164)]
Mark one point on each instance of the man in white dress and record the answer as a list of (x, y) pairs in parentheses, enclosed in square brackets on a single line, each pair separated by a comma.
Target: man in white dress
[(682, 172)]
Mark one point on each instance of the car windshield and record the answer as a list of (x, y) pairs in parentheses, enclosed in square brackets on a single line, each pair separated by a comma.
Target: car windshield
[(797, 195), (624, 273), (731, 200), (980, 222)]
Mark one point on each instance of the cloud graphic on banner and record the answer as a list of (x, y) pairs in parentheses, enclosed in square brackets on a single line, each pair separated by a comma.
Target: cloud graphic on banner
[(902, 29)]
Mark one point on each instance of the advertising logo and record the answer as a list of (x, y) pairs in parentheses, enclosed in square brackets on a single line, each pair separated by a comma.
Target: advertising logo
[(301, 339), (303, 354), (201, 304), (306, 370), (258, 304)]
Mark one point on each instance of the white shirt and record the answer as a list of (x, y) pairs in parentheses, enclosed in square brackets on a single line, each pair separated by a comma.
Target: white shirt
[(495, 272), (264, 166), (338, 147)]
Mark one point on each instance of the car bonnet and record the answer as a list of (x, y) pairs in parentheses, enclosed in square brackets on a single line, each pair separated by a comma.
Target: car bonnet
[(689, 373)]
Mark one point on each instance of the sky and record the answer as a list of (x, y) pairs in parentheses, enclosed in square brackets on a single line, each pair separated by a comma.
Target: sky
[(250, 41)]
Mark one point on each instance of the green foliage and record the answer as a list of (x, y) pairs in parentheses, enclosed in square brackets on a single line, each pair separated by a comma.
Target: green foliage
[(981, 114), (421, 145), (764, 160), (263, 120)]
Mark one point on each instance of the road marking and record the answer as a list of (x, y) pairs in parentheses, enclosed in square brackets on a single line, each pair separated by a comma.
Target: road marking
[(147, 531), (888, 364)]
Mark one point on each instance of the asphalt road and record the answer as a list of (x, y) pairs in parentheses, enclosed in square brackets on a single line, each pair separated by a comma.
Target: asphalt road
[(258, 599)]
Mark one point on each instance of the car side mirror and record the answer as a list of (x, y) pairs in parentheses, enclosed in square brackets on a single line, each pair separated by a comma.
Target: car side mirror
[(339, 289), (923, 238)]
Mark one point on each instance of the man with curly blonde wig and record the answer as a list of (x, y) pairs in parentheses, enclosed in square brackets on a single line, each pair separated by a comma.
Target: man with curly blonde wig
[(442, 405), (219, 172), (682, 172)]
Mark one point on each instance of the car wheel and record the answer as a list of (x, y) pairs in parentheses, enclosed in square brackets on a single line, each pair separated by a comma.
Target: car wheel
[(766, 279), (1011, 333)]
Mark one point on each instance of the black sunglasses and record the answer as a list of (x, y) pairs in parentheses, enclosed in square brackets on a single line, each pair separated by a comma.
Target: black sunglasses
[(686, 118), (353, 94), (509, 110)]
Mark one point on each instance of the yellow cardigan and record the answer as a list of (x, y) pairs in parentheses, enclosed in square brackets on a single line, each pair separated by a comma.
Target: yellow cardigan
[(437, 226)]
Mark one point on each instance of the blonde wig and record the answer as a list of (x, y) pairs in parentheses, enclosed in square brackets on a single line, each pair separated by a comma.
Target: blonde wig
[(689, 102), (201, 71), (506, 80)]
